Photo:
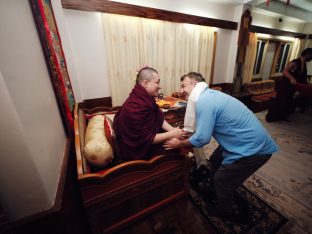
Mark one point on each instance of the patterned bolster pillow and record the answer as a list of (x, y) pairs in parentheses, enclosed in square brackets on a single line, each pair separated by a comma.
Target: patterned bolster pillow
[(97, 149)]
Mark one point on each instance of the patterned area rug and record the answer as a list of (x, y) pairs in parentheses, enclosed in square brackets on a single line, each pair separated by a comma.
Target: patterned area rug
[(263, 218)]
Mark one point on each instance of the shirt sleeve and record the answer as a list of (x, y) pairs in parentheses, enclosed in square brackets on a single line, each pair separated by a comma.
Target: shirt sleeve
[(206, 114)]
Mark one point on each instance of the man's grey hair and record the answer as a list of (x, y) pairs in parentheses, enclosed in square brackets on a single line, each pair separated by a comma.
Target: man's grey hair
[(193, 76), (146, 73)]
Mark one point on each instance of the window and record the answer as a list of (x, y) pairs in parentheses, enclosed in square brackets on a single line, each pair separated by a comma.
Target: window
[(259, 56), (271, 59), (282, 57)]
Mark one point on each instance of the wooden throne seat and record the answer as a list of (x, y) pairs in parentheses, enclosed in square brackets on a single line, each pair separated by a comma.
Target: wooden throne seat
[(118, 195)]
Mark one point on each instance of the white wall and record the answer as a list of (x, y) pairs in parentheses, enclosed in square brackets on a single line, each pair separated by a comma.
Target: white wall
[(259, 18), (83, 43), (32, 135), (224, 56), (194, 7), (307, 28), (67, 48), (89, 52), (86, 48)]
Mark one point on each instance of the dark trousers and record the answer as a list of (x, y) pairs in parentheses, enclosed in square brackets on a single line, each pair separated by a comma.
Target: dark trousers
[(226, 178), (283, 104)]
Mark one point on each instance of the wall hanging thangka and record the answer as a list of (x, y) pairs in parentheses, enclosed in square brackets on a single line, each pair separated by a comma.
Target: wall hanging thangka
[(53, 51)]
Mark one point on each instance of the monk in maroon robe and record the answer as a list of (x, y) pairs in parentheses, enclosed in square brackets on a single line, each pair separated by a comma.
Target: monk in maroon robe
[(140, 125)]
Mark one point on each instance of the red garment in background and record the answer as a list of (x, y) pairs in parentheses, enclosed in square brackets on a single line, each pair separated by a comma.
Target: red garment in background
[(136, 124), (304, 90)]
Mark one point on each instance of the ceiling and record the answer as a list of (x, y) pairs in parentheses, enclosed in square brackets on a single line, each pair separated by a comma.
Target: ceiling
[(300, 10)]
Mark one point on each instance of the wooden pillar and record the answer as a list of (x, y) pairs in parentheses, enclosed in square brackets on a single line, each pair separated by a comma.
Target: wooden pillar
[(243, 39)]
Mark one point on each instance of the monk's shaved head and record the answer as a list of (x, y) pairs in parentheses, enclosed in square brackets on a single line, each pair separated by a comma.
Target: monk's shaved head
[(146, 73)]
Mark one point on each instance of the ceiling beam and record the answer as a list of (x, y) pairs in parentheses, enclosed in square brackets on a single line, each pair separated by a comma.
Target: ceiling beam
[(145, 12), (277, 32)]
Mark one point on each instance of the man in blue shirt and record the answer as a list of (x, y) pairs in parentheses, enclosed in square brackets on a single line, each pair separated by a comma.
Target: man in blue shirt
[(245, 145)]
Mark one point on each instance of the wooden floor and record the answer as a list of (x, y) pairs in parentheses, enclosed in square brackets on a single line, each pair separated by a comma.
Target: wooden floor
[(180, 217)]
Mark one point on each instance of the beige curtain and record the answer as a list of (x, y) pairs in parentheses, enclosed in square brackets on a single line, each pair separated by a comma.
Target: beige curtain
[(172, 49), (295, 49), (250, 57)]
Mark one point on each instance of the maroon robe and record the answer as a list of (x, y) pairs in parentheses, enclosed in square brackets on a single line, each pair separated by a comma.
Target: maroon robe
[(136, 125)]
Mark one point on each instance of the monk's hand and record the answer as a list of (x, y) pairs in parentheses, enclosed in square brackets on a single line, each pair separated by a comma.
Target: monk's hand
[(172, 143)]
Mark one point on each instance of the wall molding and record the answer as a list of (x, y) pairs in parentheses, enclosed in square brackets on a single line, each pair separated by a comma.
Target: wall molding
[(145, 12)]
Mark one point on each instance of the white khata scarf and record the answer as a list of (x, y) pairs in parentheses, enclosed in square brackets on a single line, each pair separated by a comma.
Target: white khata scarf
[(189, 119)]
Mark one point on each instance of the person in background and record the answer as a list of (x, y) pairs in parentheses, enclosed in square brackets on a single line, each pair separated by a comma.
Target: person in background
[(244, 144), (139, 125), (294, 73)]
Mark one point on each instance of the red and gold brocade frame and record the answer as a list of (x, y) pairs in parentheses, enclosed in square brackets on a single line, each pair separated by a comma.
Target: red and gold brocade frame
[(55, 59)]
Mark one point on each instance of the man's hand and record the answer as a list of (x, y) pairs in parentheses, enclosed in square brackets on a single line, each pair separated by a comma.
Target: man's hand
[(186, 135), (173, 143), (176, 133)]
